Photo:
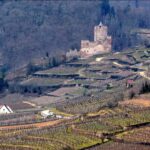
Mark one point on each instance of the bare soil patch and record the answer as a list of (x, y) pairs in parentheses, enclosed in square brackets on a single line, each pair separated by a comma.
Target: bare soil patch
[(136, 102)]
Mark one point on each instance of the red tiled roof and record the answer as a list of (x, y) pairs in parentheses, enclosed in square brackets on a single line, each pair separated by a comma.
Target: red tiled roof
[(130, 81)]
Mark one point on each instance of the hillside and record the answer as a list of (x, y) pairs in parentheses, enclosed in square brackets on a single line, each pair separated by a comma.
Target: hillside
[(29, 29), (97, 98), (101, 79), (101, 102)]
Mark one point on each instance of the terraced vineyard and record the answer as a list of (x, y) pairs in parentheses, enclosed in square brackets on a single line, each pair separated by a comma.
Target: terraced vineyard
[(120, 146), (45, 138), (128, 119), (141, 135), (39, 82), (90, 102), (104, 130), (59, 71), (95, 73), (95, 126)]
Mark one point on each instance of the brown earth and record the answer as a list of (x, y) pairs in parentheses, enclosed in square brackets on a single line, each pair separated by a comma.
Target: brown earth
[(36, 125), (136, 102)]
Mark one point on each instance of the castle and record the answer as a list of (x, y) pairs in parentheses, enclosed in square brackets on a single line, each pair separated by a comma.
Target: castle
[(101, 44)]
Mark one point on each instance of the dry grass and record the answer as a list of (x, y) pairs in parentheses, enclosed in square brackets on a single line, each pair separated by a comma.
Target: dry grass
[(136, 102), (45, 100), (66, 90)]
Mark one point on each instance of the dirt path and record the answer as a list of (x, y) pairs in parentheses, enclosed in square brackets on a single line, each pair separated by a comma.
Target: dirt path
[(117, 64), (29, 103), (81, 72), (143, 74), (99, 59), (36, 125)]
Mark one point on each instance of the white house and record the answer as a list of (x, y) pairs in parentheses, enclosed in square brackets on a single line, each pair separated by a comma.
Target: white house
[(5, 109), (46, 113)]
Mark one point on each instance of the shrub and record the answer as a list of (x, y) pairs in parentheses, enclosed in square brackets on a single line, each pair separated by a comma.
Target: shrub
[(145, 88), (131, 94)]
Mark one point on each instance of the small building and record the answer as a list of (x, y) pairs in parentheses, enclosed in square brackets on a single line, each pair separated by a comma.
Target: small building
[(129, 83), (5, 109), (46, 113), (109, 86)]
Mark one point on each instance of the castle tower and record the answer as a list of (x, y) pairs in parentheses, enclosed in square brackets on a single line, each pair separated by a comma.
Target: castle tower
[(101, 44), (100, 33)]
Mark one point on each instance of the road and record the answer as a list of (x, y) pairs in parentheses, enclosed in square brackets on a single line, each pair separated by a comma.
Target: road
[(143, 74)]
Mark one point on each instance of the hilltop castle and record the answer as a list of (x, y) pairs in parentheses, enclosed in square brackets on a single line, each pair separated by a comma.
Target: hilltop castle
[(101, 43)]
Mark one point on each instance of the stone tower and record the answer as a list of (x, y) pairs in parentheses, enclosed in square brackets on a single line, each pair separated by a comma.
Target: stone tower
[(100, 33)]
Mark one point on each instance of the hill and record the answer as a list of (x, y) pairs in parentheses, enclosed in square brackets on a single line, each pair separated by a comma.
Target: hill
[(94, 103), (102, 79), (29, 29)]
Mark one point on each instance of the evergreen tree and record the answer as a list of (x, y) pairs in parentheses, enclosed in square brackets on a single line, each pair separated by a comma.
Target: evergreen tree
[(47, 54), (3, 84), (112, 12), (105, 7), (137, 3), (54, 63)]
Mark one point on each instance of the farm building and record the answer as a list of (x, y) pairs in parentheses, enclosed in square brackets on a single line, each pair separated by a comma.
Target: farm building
[(46, 113), (129, 83), (5, 109)]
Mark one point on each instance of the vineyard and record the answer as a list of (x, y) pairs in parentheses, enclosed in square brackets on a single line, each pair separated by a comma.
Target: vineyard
[(47, 138), (59, 71), (91, 104), (121, 127), (141, 135), (120, 146)]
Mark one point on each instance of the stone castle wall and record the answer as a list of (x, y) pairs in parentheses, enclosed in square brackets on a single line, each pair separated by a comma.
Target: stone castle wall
[(87, 44), (72, 53)]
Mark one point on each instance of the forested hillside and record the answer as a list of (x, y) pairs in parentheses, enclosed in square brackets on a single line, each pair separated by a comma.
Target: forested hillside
[(29, 29)]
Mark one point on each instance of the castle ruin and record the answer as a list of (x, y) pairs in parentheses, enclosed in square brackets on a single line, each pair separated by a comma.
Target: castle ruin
[(101, 44)]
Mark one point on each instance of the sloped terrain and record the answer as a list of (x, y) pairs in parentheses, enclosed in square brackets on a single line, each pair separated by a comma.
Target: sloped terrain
[(101, 79), (91, 102), (29, 29)]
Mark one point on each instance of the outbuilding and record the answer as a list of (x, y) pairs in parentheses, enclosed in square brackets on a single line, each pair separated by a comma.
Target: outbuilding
[(5, 109), (46, 113)]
